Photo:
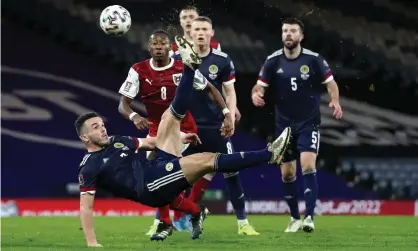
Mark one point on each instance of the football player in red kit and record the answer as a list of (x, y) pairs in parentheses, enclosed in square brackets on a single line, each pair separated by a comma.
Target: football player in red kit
[(155, 81)]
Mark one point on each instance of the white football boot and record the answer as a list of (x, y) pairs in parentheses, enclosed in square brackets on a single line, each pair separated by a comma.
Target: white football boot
[(294, 226), (308, 224), (188, 56), (279, 146)]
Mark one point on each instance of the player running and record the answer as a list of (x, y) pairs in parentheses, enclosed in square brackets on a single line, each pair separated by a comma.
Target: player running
[(218, 68), (155, 80), (113, 164), (297, 76)]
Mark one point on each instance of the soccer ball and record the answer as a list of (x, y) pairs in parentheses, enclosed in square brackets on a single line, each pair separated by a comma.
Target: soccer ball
[(115, 20)]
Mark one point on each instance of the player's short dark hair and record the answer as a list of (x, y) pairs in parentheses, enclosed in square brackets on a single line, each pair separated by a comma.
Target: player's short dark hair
[(203, 19), (294, 20), (159, 32), (190, 7), (79, 122)]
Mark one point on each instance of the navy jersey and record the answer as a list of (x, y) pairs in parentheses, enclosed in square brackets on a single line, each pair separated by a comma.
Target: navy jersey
[(219, 69), (115, 169), (297, 84)]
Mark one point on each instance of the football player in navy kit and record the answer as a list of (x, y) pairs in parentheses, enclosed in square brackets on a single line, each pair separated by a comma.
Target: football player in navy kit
[(297, 75), (218, 68), (113, 164)]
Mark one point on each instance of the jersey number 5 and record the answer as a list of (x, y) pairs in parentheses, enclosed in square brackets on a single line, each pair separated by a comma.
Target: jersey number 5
[(293, 84), (163, 93), (315, 140)]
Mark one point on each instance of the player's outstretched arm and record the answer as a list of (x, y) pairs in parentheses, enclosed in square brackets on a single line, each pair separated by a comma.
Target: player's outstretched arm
[(86, 217)]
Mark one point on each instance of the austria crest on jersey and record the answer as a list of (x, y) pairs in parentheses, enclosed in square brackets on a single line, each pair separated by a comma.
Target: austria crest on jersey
[(177, 78)]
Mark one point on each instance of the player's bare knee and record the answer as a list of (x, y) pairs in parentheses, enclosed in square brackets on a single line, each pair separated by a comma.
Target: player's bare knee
[(309, 169), (195, 166), (288, 170), (308, 162), (307, 166), (208, 161)]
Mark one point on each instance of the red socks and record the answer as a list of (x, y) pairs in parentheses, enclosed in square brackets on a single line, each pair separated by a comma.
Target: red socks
[(199, 189), (184, 205), (178, 214), (165, 214)]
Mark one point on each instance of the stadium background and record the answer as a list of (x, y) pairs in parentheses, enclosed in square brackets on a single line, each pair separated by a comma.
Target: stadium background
[(57, 63)]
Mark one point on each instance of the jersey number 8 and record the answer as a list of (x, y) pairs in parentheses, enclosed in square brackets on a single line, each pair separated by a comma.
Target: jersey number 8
[(163, 93), (229, 148)]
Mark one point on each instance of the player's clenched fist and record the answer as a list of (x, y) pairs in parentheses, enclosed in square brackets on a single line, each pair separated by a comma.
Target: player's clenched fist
[(257, 98), (227, 129), (140, 122)]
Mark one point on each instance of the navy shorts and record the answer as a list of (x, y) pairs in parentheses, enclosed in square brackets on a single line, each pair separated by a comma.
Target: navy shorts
[(305, 138), (163, 180), (212, 142)]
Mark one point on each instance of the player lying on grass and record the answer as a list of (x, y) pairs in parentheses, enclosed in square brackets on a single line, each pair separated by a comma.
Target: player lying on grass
[(155, 81), (113, 164)]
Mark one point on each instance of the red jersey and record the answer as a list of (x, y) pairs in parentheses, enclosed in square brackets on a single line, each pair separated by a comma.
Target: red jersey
[(156, 88), (213, 44)]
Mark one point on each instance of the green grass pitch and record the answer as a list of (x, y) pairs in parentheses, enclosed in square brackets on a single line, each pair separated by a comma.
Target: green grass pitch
[(220, 233)]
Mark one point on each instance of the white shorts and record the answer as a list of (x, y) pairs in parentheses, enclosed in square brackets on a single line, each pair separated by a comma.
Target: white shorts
[(183, 146)]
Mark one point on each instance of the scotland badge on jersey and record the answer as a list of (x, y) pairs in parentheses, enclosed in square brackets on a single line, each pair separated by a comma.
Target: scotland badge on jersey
[(118, 145), (213, 71), (304, 72)]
